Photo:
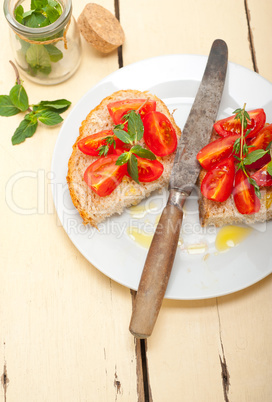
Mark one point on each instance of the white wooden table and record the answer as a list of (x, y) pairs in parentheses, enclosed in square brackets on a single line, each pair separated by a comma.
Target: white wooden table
[(64, 325)]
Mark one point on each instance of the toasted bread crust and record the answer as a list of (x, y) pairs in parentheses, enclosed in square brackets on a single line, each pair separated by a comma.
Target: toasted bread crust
[(92, 208)]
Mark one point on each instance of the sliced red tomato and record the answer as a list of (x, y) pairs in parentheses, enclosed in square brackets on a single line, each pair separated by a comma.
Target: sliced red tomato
[(103, 175), (149, 170), (261, 141), (216, 151), (217, 185), (262, 177), (244, 196), (230, 125), (118, 109), (90, 144), (159, 134)]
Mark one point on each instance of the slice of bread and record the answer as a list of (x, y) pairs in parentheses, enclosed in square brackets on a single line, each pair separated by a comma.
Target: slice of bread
[(225, 213), (92, 208)]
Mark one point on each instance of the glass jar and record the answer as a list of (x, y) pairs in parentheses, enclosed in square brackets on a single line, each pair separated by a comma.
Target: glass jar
[(47, 55)]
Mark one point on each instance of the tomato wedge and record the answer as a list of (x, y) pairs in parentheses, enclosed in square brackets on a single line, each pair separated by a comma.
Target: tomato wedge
[(149, 170), (217, 185), (261, 141), (230, 125), (215, 151), (103, 175), (262, 177), (90, 144), (244, 196), (159, 134), (118, 109)]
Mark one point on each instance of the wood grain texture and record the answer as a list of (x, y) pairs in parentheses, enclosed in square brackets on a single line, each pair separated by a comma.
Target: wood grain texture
[(64, 325), (166, 27)]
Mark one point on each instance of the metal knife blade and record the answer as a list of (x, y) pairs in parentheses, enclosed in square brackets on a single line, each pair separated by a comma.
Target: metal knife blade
[(162, 251), (198, 127)]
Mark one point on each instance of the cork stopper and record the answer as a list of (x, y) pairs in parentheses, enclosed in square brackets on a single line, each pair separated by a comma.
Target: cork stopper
[(100, 28)]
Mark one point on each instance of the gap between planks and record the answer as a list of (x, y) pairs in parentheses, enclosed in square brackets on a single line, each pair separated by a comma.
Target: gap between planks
[(143, 385), (143, 388), (250, 38), (120, 48)]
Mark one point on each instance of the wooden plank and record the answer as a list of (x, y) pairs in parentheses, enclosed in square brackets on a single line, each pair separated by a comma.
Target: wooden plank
[(246, 334), (200, 350), (160, 27), (64, 325)]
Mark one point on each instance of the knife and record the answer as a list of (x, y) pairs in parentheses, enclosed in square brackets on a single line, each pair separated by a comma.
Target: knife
[(196, 134)]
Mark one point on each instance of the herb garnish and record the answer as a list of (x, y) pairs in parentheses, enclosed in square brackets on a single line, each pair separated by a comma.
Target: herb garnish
[(41, 14), (47, 112), (240, 146), (134, 133), (104, 149)]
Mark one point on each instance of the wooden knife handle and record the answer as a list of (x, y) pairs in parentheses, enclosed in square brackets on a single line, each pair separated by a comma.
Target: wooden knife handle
[(157, 269)]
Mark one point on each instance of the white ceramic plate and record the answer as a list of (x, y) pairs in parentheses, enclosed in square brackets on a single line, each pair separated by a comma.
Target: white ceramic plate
[(199, 270)]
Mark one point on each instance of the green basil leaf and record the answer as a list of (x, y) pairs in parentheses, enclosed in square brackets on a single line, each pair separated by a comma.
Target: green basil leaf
[(28, 13), (52, 13), (35, 20), (269, 168), (25, 130), (37, 4), (45, 23), (256, 187), (60, 105), (123, 136), (247, 132), (132, 167), (119, 127), (50, 118), (38, 58), (123, 159), (56, 104), (18, 13), (254, 156), (7, 108), (45, 70), (56, 5), (135, 126), (143, 152), (125, 117), (19, 97), (54, 53)]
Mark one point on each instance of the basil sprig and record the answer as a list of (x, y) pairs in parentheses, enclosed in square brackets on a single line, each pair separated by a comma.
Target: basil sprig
[(47, 112), (42, 13), (245, 157), (134, 134)]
